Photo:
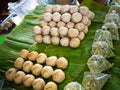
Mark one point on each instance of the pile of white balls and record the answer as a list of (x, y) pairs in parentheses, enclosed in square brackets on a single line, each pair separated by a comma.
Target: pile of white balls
[(65, 25), (33, 68)]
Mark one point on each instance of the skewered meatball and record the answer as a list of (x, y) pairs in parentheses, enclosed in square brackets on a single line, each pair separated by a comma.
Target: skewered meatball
[(63, 31), (74, 42), (81, 35), (70, 25), (90, 15), (56, 8), (46, 39), (51, 86), (80, 26), (27, 66), (85, 30), (64, 41), (45, 30), (37, 30), (43, 23), (49, 8), (85, 20), (73, 9), (55, 40), (54, 31), (32, 55), (56, 16), (19, 63), (65, 8), (41, 58), (84, 10), (52, 24), (51, 61), (66, 17), (73, 32), (60, 24), (24, 53), (47, 17), (38, 38), (76, 17)]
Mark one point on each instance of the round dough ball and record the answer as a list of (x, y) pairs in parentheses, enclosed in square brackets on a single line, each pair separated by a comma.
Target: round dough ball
[(43, 23), (47, 17), (85, 30), (76, 17), (64, 41), (84, 10), (90, 15), (32, 55), (80, 26), (65, 8), (49, 8), (56, 16), (54, 32), (28, 80), (27, 66), (89, 23), (24, 53), (36, 69), (51, 61), (66, 17), (74, 42), (56, 8), (55, 40), (47, 71), (70, 25), (18, 78), (52, 24), (81, 35), (85, 20), (38, 38), (60, 24), (19, 63), (51, 86), (45, 30), (73, 32), (73, 8), (38, 84), (10, 74), (41, 58), (46, 39), (62, 63), (37, 30), (58, 75), (63, 31)]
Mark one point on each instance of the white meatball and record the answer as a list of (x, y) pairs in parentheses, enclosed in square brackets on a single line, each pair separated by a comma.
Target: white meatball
[(85, 20), (37, 30), (90, 15), (32, 55), (63, 31), (52, 24), (81, 35), (73, 32), (84, 10), (24, 53), (89, 23), (56, 16), (74, 42), (66, 17), (47, 17), (36, 69), (54, 31), (55, 40), (47, 71), (10, 74), (46, 39), (27, 66), (80, 26), (56, 8), (51, 61), (85, 30), (76, 17), (51, 86), (28, 80), (73, 8), (38, 84), (49, 8), (65, 8), (19, 63), (43, 23), (60, 24), (18, 78), (58, 75), (41, 58), (45, 30), (70, 25), (38, 38), (64, 41)]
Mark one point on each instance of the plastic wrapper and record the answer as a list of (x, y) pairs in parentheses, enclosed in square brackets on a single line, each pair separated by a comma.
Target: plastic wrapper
[(73, 86), (98, 64), (102, 48), (94, 81)]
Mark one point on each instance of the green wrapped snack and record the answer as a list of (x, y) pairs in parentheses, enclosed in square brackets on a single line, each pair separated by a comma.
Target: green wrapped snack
[(94, 81), (98, 64), (115, 7)]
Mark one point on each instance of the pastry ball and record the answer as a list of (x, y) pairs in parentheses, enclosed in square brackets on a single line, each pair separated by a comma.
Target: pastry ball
[(10, 74), (24, 53), (28, 80), (46, 71), (63, 31), (85, 30), (73, 8), (38, 84), (37, 30), (54, 31), (18, 78), (19, 63), (84, 10), (61, 63), (52, 24), (55, 40), (76, 17), (66, 17), (65, 8), (56, 16), (45, 30), (70, 25), (74, 42), (47, 17), (90, 15), (60, 24), (41, 58), (38, 38), (85, 20), (49, 8), (27, 66), (64, 41), (51, 61), (80, 26), (43, 23), (73, 32), (36, 69), (56, 8), (32, 55), (81, 36), (58, 76), (51, 86), (47, 39)]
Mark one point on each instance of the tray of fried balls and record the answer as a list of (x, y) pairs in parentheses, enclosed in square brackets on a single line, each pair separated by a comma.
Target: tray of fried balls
[(64, 25), (32, 69)]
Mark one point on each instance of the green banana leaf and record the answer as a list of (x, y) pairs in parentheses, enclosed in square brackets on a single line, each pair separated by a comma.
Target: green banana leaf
[(22, 38)]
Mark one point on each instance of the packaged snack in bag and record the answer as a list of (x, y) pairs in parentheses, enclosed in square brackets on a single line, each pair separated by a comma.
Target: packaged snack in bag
[(98, 64)]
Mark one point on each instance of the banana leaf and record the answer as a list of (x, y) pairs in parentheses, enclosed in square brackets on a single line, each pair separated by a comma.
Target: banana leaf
[(22, 38)]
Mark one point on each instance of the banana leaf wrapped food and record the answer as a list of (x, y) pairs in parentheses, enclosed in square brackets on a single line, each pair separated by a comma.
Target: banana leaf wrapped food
[(102, 48), (98, 64), (94, 81)]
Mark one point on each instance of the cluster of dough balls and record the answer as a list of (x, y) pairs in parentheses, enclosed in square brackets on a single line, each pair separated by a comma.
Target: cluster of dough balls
[(65, 25), (33, 64)]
